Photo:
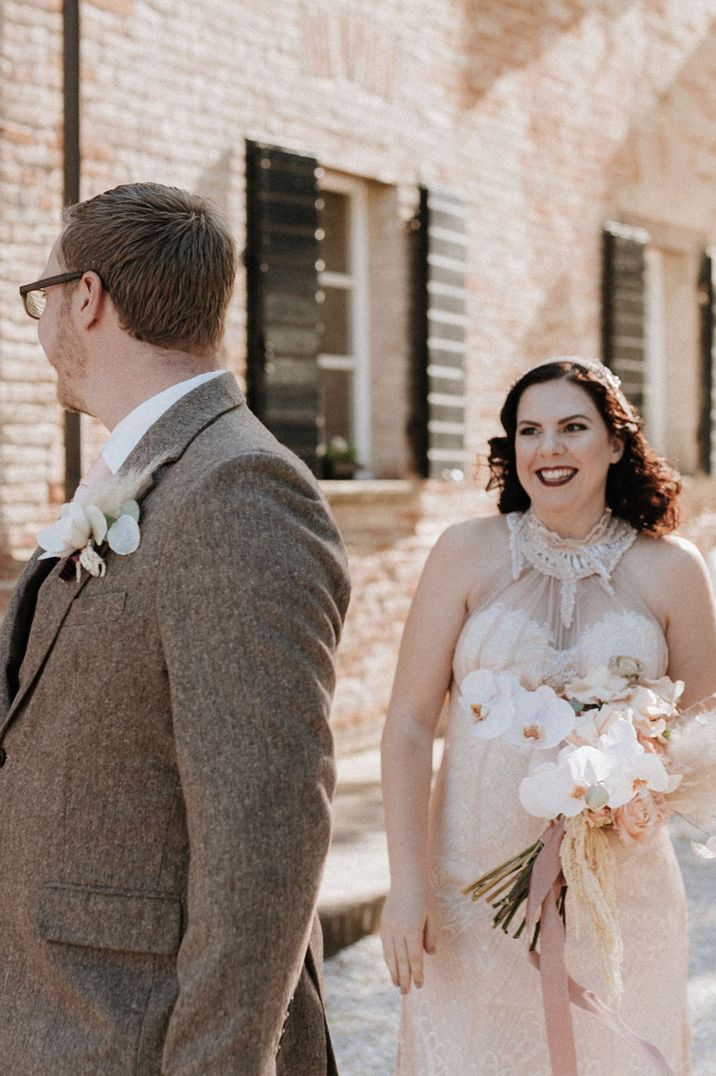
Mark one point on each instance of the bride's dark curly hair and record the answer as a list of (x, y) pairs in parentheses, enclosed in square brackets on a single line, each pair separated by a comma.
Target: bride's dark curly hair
[(642, 488)]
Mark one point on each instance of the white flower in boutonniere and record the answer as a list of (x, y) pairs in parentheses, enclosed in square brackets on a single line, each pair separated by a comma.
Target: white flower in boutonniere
[(107, 520)]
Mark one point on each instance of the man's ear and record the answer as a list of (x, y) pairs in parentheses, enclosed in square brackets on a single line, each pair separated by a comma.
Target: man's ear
[(89, 300)]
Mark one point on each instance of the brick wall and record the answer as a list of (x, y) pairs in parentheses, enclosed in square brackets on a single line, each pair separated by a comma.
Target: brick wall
[(30, 196), (546, 119)]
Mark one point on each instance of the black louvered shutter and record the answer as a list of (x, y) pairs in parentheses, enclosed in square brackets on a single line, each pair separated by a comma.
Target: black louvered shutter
[(282, 252), (707, 408), (437, 426), (624, 307)]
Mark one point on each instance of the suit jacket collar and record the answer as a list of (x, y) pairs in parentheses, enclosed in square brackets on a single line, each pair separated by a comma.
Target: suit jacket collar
[(169, 437)]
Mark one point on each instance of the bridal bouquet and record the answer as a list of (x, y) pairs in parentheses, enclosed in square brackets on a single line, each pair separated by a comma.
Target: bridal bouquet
[(612, 754)]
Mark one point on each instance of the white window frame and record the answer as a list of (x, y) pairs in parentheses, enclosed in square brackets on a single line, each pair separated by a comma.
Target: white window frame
[(659, 374), (356, 282), (655, 365)]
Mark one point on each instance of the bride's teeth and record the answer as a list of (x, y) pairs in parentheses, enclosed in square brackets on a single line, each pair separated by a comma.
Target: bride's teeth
[(556, 474)]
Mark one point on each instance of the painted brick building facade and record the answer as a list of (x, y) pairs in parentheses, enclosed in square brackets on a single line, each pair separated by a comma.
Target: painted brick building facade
[(479, 185)]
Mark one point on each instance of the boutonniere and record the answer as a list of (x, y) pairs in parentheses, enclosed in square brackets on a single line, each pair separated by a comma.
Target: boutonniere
[(107, 519)]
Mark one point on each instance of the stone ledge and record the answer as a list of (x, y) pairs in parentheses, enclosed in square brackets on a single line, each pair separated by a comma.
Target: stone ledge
[(373, 515), (371, 490), (347, 922)]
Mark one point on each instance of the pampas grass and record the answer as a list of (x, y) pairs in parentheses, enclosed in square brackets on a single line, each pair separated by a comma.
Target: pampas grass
[(692, 753)]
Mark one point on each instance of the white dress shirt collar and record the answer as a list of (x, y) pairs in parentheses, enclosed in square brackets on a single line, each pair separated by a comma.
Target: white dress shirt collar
[(127, 434)]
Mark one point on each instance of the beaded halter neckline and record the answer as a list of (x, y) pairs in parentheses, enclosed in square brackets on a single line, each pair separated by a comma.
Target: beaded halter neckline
[(568, 559)]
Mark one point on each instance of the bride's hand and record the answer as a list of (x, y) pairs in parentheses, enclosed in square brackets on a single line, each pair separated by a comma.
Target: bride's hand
[(406, 932)]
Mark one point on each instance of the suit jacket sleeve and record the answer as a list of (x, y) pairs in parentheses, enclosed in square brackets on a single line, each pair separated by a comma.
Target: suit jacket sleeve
[(252, 593)]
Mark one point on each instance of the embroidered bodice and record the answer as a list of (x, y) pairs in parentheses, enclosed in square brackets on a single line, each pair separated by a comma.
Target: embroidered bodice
[(568, 559), (563, 605)]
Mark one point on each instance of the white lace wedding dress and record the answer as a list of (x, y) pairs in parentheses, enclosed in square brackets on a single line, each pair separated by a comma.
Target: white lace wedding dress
[(558, 607)]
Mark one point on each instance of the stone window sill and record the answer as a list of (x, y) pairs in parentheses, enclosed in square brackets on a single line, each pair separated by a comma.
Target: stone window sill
[(357, 491)]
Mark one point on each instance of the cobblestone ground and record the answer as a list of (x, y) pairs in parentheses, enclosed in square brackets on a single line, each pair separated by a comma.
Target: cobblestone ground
[(363, 1005)]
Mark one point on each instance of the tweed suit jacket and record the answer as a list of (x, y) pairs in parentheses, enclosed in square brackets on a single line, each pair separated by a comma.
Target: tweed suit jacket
[(164, 799)]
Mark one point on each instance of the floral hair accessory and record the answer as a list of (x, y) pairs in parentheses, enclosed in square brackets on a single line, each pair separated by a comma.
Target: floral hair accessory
[(602, 373), (108, 520)]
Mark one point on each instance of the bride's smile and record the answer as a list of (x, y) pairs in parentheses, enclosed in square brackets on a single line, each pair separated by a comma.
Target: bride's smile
[(555, 476)]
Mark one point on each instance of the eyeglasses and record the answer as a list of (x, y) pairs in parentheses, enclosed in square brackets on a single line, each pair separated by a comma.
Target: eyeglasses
[(34, 296)]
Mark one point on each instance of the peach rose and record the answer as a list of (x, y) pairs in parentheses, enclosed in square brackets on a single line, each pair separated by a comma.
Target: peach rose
[(636, 819)]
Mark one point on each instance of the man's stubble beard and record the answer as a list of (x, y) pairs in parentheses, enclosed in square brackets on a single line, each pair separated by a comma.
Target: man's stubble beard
[(70, 365)]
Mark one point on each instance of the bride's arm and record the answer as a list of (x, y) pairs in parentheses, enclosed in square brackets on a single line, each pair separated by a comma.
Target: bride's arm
[(421, 681), (690, 622)]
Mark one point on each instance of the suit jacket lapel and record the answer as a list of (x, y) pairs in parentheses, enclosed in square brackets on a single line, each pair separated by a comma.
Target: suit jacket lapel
[(16, 627), (164, 443), (57, 597)]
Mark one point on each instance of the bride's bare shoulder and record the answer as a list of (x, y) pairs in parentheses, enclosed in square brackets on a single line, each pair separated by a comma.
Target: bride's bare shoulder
[(670, 566), (483, 533), (670, 551), (474, 549)]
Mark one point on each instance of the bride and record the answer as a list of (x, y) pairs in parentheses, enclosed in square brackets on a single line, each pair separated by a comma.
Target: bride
[(580, 567)]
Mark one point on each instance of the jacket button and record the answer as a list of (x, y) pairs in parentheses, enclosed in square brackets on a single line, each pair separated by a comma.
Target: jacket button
[(3, 756)]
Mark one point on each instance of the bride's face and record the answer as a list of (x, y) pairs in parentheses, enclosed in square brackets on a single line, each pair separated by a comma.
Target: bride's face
[(563, 448)]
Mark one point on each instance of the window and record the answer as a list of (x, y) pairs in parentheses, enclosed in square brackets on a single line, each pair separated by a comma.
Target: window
[(658, 336), (354, 329)]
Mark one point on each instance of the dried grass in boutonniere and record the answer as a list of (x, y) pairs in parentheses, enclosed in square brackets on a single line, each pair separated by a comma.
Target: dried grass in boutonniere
[(108, 519)]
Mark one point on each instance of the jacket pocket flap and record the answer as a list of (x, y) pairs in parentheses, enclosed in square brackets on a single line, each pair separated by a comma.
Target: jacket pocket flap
[(129, 922)]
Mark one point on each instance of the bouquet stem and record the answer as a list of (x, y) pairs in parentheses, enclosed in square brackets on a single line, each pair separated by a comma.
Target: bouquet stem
[(487, 882), (507, 888)]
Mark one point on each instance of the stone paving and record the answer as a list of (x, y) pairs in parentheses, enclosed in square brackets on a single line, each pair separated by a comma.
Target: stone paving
[(363, 1005)]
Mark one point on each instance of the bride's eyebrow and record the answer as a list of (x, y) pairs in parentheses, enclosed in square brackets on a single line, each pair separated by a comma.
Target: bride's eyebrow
[(560, 421)]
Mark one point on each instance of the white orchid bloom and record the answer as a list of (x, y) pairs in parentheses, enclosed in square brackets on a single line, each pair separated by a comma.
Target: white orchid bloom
[(647, 702), (591, 724), (562, 787), (652, 709), (599, 685), (541, 720), (668, 691), (77, 525), (586, 729), (632, 769), (620, 740), (123, 536), (490, 698)]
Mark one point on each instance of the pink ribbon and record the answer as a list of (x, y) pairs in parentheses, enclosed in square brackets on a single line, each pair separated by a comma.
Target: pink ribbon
[(558, 987)]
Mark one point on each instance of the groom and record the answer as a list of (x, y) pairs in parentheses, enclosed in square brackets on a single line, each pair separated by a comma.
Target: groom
[(166, 763)]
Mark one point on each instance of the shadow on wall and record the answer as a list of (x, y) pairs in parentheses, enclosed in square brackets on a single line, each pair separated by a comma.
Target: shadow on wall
[(658, 161), (649, 172), (555, 325), (507, 37)]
